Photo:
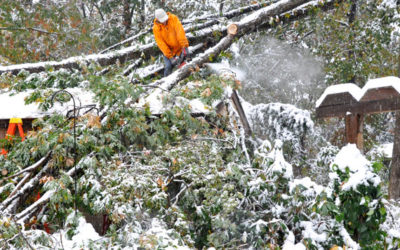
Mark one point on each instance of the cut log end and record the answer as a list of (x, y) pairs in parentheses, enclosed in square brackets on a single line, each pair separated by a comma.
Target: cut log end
[(232, 29)]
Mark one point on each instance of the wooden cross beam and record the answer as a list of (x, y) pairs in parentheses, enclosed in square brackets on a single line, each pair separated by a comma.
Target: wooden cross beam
[(349, 101)]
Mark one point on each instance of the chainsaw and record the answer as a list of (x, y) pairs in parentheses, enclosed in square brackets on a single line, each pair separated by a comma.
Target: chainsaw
[(180, 60)]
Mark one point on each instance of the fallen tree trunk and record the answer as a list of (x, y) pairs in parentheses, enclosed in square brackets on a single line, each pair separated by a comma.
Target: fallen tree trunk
[(16, 192), (211, 34)]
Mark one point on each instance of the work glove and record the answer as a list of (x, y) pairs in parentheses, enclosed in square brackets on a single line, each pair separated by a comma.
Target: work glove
[(186, 53), (175, 60)]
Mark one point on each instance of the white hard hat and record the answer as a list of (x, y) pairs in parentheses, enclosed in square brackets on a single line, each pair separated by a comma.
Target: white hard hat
[(161, 15)]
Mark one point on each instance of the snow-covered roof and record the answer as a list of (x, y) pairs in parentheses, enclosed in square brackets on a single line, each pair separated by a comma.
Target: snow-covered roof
[(13, 106), (389, 81), (350, 88), (356, 92)]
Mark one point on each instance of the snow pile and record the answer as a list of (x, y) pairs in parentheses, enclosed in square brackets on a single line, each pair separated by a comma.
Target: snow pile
[(280, 165), (158, 235), (84, 235), (312, 188), (359, 167)]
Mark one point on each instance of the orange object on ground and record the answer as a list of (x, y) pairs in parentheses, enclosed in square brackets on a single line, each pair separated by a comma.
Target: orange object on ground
[(14, 123)]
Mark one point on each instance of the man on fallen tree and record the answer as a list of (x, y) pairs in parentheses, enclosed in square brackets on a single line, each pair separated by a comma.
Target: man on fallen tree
[(171, 39)]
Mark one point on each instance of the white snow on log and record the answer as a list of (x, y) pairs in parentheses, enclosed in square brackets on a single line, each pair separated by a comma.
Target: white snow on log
[(18, 108), (351, 88), (43, 199), (250, 18), (76, 59)]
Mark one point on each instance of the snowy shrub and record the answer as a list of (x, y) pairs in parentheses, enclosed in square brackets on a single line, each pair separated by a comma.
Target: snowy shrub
[(356, 199), (286, 123)]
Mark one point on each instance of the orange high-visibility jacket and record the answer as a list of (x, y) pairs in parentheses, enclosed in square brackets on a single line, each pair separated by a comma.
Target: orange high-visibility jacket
[(171, 37)]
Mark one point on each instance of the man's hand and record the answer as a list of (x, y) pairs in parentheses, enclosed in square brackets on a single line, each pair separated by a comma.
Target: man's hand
[(174, 60), (186, 53)]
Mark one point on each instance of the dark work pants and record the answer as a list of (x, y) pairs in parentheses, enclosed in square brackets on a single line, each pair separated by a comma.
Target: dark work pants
[(167, 67)]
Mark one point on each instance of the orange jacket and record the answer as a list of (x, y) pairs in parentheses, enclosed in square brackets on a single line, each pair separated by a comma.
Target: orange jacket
[(171, 37)]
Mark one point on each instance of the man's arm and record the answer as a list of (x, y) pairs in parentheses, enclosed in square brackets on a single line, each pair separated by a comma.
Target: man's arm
[(180, 33)]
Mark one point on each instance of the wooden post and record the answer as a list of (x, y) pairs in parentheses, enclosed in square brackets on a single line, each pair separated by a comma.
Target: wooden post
[(394, 176), (242, 115), (354, 129)]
